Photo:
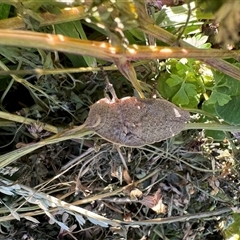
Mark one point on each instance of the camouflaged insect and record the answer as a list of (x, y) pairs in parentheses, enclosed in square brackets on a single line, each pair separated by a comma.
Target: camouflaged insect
[(134, 122)]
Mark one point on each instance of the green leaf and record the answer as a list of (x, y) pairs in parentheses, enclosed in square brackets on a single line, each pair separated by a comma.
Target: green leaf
[(137, 34), (218, 97), (209, 108), (206, 45), (230, 112), (4, 10), (174, 80), (186, 92), (216, 135), (164, 89), (190, 89), (91, 61), (230, 86), (74, 29), (181, 98)]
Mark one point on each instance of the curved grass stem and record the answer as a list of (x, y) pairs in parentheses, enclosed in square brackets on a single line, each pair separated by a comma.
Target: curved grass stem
[(78, 132), (213, 126)]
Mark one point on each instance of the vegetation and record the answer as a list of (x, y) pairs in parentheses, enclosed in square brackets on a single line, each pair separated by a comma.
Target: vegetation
[(58, 179)]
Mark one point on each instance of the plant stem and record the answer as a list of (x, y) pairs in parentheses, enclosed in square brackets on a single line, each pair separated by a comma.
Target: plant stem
[(105, 50), (77, 132), (213, 126), (66, 15), (20, 119)]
